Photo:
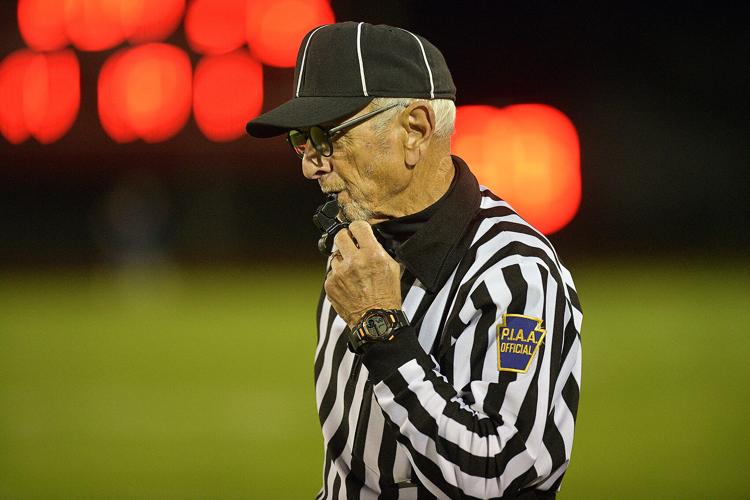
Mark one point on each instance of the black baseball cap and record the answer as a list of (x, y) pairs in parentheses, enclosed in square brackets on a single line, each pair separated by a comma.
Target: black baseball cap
[(341, 67)]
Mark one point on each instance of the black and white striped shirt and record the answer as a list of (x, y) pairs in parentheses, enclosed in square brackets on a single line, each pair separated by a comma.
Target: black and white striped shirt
[(435, 413)]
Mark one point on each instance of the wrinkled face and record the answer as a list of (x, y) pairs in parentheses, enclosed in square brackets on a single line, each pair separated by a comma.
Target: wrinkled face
[(366, 168)]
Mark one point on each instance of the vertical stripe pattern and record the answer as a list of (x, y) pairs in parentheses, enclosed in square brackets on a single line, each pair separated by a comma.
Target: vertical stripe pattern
[(359, 58), (304, 55), (449, 424), (426, 63)]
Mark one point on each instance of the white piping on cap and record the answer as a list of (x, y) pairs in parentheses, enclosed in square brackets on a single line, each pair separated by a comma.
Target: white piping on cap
[(424, 55), (302, 64), (359, 56)]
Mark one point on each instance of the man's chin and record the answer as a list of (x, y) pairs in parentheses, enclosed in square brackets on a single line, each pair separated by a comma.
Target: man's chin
[(354, 212)]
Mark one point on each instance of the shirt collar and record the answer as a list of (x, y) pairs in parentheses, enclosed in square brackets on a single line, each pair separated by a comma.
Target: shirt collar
[(392, 233), (435, 249)]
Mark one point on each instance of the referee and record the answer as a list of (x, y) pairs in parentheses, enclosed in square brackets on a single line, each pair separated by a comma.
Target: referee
[(448, 362)]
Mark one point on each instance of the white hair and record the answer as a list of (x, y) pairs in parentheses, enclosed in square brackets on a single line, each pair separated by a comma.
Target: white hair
[(445, 113)]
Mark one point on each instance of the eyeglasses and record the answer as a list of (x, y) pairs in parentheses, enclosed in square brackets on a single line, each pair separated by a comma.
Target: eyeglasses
[(322, 139)]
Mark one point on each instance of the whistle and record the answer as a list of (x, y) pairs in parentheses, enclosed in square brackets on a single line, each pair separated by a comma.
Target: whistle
[(329, 220)]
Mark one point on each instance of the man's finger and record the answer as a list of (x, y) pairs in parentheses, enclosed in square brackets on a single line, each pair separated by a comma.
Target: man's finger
[(362, 232), (336, 261), (345, 244)]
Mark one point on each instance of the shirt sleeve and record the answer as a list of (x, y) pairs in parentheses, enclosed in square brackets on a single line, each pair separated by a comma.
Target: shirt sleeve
[(469, 428)]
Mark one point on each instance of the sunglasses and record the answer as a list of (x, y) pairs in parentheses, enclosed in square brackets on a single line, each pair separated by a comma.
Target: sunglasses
[(322, 139)]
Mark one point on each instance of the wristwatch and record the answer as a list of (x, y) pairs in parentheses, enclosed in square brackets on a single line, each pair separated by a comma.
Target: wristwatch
[(376, 325)]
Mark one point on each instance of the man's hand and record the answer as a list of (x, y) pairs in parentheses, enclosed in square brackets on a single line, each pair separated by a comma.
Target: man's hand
[(363, 276)]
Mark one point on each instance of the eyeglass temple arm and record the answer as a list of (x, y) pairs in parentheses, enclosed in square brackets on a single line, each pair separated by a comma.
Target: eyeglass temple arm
[(359, 119)]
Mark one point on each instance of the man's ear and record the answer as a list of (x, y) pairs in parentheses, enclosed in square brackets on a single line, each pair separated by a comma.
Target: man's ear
[(418, 121)]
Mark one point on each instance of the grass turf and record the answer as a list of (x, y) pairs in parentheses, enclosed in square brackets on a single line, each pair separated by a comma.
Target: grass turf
[(198, 384)]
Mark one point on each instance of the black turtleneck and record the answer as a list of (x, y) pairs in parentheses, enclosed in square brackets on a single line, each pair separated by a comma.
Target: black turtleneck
[(394, 232)]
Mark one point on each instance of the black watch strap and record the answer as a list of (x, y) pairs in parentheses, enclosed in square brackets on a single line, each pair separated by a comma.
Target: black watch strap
[(362, 335)]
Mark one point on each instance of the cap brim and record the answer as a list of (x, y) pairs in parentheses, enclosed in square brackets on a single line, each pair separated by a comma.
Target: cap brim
[(302, 112)]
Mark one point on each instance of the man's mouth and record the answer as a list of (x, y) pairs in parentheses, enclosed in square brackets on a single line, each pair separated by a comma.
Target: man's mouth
[(332, 190), (331, 184)]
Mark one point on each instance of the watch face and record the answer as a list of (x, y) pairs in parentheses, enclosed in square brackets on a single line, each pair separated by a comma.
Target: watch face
[(376, 326)]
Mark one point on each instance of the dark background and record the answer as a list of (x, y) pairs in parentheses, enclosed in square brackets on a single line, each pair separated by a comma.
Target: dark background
[(659, 95)]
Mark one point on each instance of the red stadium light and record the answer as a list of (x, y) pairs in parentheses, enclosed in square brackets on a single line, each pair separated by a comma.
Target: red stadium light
[(12, 76), (528, 154), (227, 92), (53, 95), (215, 26), (145, 92), (39, 95), (150, 20), (42, 23), (275, 28), (93, 24), (111, 93)]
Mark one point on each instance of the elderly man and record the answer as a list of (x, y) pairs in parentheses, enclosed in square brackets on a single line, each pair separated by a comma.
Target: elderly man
[(448, 361)]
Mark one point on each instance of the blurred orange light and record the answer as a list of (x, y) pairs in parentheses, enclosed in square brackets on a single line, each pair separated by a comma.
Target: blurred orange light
[(145, 92), (93, 24), (215, 26), (42, 23), (52, 96), (227, 92), (12, 76), (39, 95), (275, 28), (150, 20), (528, 154), (111, 89)]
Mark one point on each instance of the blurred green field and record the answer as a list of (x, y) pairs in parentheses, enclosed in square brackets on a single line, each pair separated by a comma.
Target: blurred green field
[(198, 384)]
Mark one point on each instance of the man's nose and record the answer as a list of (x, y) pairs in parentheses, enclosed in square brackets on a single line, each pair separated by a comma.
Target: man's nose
[(313, 164)]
